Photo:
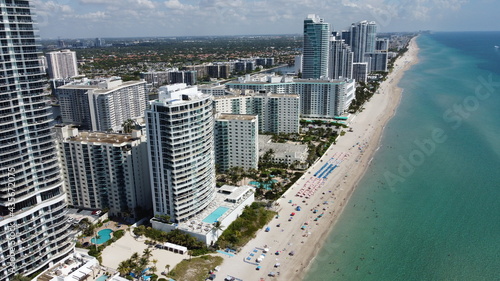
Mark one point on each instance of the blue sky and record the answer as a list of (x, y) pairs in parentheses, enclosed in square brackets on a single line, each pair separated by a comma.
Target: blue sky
[(137, 18)]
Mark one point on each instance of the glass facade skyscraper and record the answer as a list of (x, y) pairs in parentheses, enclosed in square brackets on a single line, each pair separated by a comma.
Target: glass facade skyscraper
[(33, 225), (362, 39), (315, 49)]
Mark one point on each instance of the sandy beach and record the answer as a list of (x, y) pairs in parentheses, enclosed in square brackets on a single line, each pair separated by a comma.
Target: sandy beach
[(124, 247), (334, 176)]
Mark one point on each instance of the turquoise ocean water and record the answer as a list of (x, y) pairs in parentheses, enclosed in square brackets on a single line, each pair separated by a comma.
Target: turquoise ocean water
[(429, 206)]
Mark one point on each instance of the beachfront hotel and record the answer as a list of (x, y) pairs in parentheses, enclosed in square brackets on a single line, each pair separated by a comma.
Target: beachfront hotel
[(180, 128), (105, 170), (33, 224), (318, 98), (102, 104)]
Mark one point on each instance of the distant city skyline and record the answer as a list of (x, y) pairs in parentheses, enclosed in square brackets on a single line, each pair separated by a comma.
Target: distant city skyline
[(145, 18)]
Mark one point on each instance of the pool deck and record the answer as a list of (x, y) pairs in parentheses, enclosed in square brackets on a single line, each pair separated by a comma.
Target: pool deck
[(111, 225), (214, 216)]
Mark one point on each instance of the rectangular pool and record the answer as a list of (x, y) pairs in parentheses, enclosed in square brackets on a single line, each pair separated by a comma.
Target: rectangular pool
[(215, 215)]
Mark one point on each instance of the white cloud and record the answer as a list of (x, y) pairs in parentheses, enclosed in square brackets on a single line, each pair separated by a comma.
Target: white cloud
[(108, 2), (175, 5), (52, 6), (95, 16), (195, 17)]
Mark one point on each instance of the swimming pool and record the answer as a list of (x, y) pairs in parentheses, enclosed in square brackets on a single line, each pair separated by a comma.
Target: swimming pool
[(215, 215), (104, 236), (265, 185), (102, 278)]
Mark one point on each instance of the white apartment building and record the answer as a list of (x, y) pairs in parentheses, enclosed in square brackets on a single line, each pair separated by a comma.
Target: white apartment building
[(180, 128), (318, 98), (102, 105), (62, 64), (214, 90), (105, 171), (236, 141), (277, 113)]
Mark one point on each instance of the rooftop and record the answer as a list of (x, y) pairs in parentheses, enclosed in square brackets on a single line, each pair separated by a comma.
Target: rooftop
[(227, 116), (100, 86), (280, 149), (99, 137), (75, 267), (238, 93), (178, 93)]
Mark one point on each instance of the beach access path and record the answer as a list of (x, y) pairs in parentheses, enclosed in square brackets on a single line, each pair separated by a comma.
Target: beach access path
[(352, 153)]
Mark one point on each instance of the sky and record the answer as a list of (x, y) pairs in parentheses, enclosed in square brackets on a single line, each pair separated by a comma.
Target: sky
[(146, 18)]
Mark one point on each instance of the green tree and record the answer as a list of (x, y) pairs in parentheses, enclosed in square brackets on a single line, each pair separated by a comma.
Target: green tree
[(127, 126), (147, 253), (20, 277)]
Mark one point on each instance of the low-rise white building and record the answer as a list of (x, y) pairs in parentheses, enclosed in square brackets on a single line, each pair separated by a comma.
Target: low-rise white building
[(284, 153), (228, 204), (77, 266)]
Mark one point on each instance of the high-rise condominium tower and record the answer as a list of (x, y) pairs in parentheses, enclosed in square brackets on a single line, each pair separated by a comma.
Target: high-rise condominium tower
[(62, 64), (33, 226), (315, 49), (341, 59), (180, 128), (362, 39)]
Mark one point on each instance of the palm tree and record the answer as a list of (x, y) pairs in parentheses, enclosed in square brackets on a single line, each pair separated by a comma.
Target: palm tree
[(124, 267), (168, 268), (217, 226), (154, 268), (134, 258), (128, 126), (147, 253), (143, 262)]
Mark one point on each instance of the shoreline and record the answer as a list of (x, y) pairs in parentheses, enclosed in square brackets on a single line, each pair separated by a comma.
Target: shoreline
[(413, 59), (306, 234)]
